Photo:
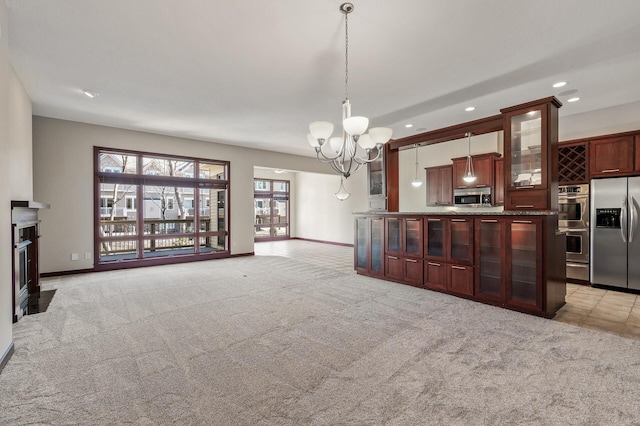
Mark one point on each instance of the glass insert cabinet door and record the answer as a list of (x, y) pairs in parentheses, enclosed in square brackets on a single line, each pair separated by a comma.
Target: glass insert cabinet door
[(490, 283), (524, 258), (526, 153)]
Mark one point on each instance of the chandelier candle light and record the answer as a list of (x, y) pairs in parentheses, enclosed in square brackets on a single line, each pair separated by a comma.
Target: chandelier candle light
[(344, 156), (469, 175)]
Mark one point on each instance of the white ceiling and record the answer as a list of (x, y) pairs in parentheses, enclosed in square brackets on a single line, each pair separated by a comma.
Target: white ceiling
[(256, 72)]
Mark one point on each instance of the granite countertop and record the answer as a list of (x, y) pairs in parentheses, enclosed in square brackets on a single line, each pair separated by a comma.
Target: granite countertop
[(469, 212)]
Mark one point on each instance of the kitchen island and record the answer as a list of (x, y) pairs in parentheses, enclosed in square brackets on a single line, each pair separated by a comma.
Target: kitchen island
[(511, 259)]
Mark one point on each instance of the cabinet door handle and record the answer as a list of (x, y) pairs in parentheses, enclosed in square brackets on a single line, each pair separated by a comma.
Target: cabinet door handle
[(524, 187), (489, 220), (458, 220), (411, 260), (433, 264), (522, 221), (433, 220), (458, 267), (392, 257), (528, 206), (610, 170), (409, 219)]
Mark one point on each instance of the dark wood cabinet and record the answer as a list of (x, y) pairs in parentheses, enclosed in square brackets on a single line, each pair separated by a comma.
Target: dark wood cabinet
[(519, 263), (440, 186), (483, 166), (611, 157), (524, 263), (460, 280), (369, 246), (515, 261), (403, 249), (498, 192), (531, 155), (448, 250), (573, 163)]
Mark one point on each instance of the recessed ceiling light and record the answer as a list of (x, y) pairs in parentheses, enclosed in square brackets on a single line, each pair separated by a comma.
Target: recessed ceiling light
[(90, 93), (576, 99), (560, 84), (469, 109), (279, 171), (408, 125)]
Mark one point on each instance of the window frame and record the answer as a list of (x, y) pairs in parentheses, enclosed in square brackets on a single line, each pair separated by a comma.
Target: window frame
[(140, 238)]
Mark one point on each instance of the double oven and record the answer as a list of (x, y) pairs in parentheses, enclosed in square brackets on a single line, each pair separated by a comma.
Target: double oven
[(573, 219)]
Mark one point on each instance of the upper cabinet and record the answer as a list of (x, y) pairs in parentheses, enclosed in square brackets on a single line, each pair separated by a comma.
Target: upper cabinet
[(611, 157), (440, 186), (573, 163), (483, 166), (531, 155), (376, 184)]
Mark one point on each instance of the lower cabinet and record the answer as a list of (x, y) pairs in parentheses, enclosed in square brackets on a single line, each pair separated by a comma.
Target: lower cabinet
[(460, 279), (514, 261), (456, 279), (405, 269)]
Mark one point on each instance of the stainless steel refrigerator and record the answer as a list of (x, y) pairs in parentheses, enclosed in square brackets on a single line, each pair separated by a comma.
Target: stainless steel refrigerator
[(615, 240)]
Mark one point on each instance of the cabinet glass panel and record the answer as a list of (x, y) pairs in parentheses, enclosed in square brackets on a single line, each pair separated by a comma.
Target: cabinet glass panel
[(413, 236), (435, 238), (460, 240), (361, 239), (526, 159), (377, 227), (393, 235), (523, 262), (490, 264)]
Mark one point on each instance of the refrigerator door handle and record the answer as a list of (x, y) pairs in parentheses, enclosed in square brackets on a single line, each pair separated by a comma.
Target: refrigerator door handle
[(634, 218), (623, 219)]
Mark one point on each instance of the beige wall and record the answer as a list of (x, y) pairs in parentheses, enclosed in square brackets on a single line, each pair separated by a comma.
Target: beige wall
[(63, 178), (20, 146), (6, 302)]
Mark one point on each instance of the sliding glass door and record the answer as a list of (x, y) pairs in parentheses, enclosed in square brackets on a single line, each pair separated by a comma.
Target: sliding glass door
[(271, 205)]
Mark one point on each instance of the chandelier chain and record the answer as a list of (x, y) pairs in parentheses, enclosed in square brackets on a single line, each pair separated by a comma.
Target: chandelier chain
[(346, 56)]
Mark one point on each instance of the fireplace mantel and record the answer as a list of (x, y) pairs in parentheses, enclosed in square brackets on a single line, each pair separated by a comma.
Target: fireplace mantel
[(24, 244)]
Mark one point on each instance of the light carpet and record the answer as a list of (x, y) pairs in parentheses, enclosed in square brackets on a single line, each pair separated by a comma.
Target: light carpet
[(275, 341)]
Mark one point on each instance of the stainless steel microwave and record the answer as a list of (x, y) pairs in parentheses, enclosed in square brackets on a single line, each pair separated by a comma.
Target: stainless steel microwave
[(472, 197)]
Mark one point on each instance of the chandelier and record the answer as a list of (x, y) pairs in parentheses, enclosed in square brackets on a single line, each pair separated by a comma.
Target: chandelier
[(347, 154)]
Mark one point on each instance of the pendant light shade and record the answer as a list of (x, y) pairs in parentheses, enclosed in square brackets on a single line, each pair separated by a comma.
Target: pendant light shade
[(416, 183), (469, 174)]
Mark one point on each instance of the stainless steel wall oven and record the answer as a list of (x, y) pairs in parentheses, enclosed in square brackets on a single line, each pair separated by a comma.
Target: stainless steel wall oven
[(573, 218)]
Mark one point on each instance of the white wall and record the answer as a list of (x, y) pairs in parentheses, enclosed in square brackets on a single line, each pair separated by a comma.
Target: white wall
[(6, 302), (319, 215), (20, 146), (415, 199), (63, 178)]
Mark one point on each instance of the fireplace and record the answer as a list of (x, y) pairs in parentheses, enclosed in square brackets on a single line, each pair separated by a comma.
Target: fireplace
[(25, 235)]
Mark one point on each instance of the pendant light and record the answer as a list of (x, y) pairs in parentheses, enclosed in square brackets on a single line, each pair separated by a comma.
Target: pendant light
[(417, 183), (342, 193), (469, 175)]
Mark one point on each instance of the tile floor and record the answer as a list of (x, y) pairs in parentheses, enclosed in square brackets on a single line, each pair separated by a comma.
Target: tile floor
[(599, 309)]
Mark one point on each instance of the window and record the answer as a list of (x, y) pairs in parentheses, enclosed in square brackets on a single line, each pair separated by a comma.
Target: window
[(152, 210), (271, 205), (131, 203)]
